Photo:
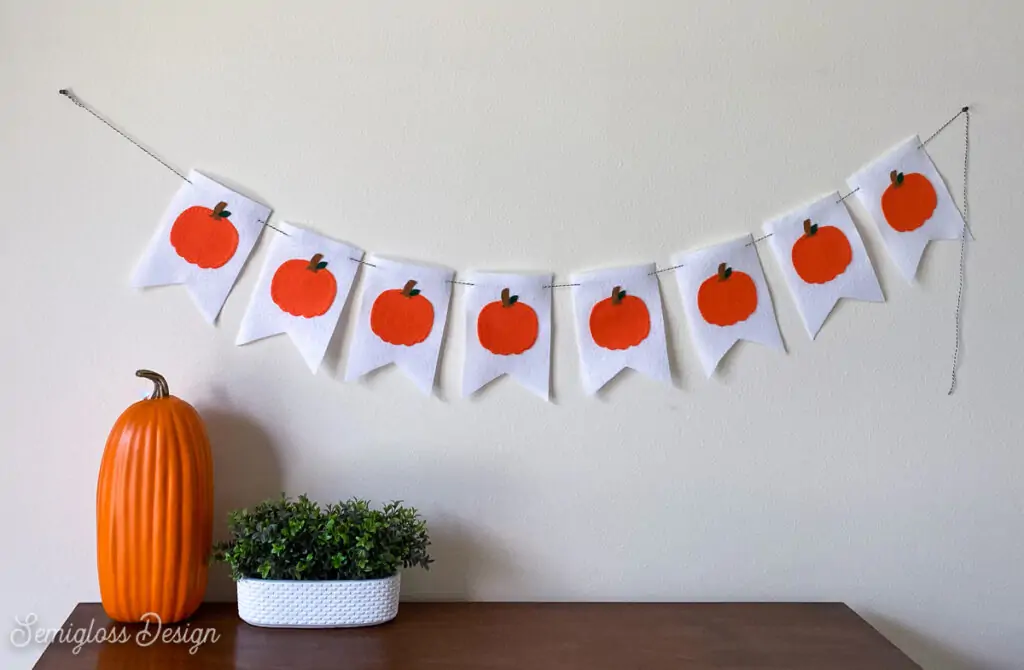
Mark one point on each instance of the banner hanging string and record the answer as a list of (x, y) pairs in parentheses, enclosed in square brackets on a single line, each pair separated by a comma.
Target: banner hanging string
[(965, 212), (75, 99), (658, 272), (966, 111), (69, 94), (844, 197)]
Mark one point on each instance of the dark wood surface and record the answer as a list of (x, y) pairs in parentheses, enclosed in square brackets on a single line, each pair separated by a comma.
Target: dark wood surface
[(507, 636)]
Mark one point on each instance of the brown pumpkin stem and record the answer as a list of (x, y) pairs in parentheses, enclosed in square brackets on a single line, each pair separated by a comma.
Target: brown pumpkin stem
[(221, 206), (894, 177), (808, 230), (160, 390), (314, 261), (616, 295), (506, 298), (723, 271), (407, 289)]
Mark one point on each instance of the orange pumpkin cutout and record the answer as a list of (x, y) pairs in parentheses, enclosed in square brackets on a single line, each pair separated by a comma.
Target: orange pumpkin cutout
[(204, 236), (728, 297), (821, 254), (402, 316), (909, 201), (154, 510), (304, 288), (620, 321), (507, 327)]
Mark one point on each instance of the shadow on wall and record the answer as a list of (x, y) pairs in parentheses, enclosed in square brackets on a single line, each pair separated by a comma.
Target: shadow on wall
[(246, 470), (472, 560), (929, 653), (463, 559)]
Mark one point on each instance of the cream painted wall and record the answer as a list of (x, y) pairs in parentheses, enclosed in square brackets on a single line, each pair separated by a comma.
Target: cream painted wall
[(535, 135)]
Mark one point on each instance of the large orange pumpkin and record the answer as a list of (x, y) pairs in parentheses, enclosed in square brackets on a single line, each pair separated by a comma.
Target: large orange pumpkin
[(909, 201), (154, 510), (402, 316), (727, 297), (507, 327), (619, 321)]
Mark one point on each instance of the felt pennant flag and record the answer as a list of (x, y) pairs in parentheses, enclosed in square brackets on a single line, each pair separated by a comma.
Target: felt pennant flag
[(726, 299), (508, 331), (822, 258), (402, 317), (302, 290), (203, 241), (619, 324), (905, 195)]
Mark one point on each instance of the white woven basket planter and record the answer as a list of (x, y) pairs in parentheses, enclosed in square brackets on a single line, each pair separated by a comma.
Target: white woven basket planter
[(318, 604)]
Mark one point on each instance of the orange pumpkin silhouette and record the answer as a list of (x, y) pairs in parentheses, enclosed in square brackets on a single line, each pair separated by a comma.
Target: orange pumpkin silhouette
[(402, 316), (909, 201), (204, 236), (620, 321), (821, 254), (507, 327), (304, 288), (728, 297)]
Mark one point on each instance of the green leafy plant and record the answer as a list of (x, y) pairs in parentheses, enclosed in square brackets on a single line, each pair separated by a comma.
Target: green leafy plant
[(291, 539)]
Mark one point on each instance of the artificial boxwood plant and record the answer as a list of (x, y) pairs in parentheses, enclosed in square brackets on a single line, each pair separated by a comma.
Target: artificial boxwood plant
[(293, 539)]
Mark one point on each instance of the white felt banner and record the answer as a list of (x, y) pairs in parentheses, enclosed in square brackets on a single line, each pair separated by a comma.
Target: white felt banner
[(619, 324), (823, 259), (725, 298), (302, 290), (203, 240), (508, 331), (906, 196), (402, 316)]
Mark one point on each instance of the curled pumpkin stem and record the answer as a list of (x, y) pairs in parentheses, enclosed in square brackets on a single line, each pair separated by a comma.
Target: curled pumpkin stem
[(160, 389)]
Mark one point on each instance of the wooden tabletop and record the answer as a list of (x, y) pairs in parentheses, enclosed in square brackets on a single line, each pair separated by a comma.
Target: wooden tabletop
[(500, 636)]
